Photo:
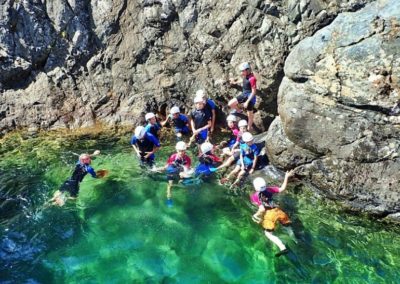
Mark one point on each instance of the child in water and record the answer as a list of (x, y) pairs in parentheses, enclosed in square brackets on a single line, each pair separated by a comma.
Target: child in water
[(71, 186), (268, 213)]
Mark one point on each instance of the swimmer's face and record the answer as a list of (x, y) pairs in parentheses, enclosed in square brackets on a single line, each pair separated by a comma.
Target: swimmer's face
[(86, 160), (175, 115), (243, 129), (250, 143), (181, 153), (152, 120)]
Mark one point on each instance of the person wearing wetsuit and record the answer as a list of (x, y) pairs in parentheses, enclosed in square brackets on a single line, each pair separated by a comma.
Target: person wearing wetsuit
[(200, 121), (145, 144), (210, 107), (152, 126), (207, 161), (268, 213), (179, 121)]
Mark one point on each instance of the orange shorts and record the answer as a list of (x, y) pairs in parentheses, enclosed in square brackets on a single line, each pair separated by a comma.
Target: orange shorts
[(273, 215)]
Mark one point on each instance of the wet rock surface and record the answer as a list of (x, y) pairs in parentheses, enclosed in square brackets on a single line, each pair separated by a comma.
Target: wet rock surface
[(336, 102)]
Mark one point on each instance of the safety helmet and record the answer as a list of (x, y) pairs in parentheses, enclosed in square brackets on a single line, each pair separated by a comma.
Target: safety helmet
[(140, 131), (231, 117), (174, 110), (180, 146), (206, 147), (149, 115), (242, 123), (244, 66), (198, 99), (201, 93), (259, 184), (247, 137)]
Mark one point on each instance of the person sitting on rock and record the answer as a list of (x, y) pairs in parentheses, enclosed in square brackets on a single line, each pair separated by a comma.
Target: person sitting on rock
[(268, 213), (145, 145), (247, 162), (209, 107), (208, 161), (71, 186), (233, 153), (248, 95), (180, 122), (200, 122), (152, 126)]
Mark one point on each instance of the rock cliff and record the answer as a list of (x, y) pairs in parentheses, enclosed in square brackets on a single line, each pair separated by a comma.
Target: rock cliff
[(70, 64), (338, 119)]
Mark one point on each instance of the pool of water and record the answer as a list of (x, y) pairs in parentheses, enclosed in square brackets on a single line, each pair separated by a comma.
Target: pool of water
[(121, 230)]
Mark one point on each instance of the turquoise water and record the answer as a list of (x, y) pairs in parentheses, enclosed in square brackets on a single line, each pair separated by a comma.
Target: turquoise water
[(121, 230)]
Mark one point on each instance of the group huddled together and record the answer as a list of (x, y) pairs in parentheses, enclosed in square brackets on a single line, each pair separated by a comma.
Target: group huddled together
[(240, 152)]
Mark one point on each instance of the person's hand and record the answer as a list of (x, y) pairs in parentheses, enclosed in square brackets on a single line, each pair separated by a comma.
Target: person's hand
[(195, 132), (242, 168), (246, 104), (101, 173), (251, 171), (232, 81), (212, 130), (290, 173), (95, 153), (148, 154)]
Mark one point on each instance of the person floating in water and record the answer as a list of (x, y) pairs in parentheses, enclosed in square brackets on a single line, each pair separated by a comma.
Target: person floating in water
[(177, 167), (145, 145), (268, 213), (208, 161), (248, 95), (152, 126), (180, 122), (71, 185)]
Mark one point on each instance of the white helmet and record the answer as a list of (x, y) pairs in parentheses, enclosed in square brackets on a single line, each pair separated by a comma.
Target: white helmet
[(206, 147), (247, 137), (231, 117), (242, 123), (149, 115), (140, 131), (174, 110), (259, 184), (198, 99), (180, 146), (244, 66), (201, 93)]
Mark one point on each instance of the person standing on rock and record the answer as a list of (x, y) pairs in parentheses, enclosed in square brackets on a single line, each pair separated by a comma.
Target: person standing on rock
[(209, 107), (200, 122), (152, 126), (248, 95), (180, 122), (145, 145), (268, 213)]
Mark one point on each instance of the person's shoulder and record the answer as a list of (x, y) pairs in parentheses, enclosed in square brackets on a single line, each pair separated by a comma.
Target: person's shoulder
[(211, 103)]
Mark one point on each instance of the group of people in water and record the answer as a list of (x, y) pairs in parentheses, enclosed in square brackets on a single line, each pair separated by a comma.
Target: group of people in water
[(239, 152)]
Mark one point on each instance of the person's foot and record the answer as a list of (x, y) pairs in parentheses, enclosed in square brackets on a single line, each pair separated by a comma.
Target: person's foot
[(282, 252), (256, 219), (169, 202), (223, 180)]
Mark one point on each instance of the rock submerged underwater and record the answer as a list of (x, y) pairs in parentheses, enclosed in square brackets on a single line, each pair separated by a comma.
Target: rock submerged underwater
[(73, 64)]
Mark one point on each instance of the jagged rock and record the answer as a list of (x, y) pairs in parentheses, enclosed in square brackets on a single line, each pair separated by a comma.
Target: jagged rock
[(335, 106)]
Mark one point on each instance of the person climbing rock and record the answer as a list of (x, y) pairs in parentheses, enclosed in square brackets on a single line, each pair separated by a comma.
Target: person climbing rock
[(71, 185), (179, 121), (200, 122), (209, 107), (268, 214), (248, 96)]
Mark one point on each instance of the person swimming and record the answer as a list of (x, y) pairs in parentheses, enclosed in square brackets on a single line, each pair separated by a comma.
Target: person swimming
[(71, 186)]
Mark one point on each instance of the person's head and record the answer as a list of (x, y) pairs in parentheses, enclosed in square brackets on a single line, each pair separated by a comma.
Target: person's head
[(245, 69), (199, 102), (248, 138), (201, 94), (175, 111), (259, 184), (180, 148), (206, 147), (242, 125), (85, 159), (231, 121), (150, 117), (140, 132)]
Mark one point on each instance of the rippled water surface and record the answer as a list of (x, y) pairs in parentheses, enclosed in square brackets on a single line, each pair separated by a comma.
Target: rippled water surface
[(121, 230)]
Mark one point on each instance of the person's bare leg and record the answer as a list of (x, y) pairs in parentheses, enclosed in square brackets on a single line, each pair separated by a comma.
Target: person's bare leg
[(169, 187), (250, 115), (275, 240), (227, 163)]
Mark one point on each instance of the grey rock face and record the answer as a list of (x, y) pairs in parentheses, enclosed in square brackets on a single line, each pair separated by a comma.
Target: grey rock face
[(335, 107), (68, 64)]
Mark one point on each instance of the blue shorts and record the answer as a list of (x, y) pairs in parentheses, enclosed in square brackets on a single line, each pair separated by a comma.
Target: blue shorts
[(248, 163), (242, 98), (185, 130), (202, 136), (172, 172)]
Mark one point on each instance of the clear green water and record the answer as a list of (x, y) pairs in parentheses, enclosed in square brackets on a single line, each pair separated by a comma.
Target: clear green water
[(121, 231)]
